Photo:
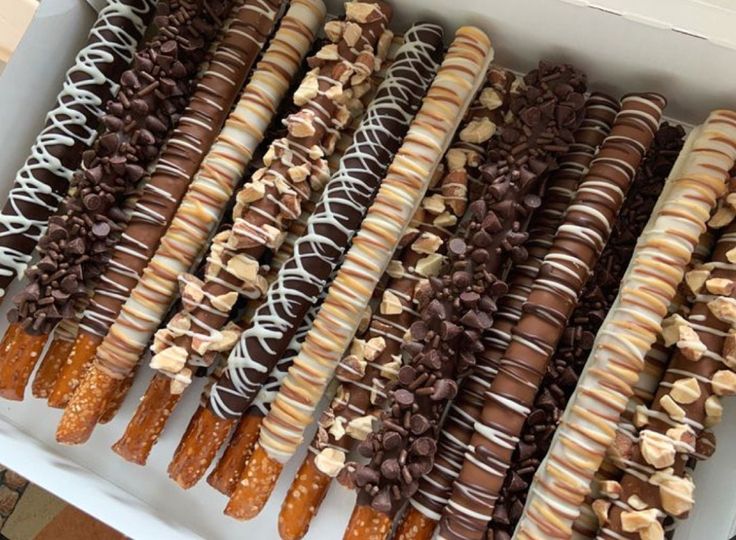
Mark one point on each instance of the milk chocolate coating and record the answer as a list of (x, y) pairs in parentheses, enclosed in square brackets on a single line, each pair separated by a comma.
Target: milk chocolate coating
[(638, 467), (70, 128), (576, 248), (434, 489), (77, 246), (336, 218), (576, 343), (249, 26), (457, 305)]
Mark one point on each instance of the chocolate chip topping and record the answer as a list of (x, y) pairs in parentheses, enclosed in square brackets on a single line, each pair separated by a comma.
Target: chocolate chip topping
[(459, 302), (153, 93)]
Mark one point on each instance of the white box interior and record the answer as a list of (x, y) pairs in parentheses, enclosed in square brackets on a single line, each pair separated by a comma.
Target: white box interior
[(682, 48)]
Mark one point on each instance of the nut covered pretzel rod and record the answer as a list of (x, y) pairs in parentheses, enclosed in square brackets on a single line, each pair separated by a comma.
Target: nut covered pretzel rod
[(655, 483), (249, 25), (195, 220), (655, 363), (430, 134), (340, 74), (577, 245), (588, 426), (71, 127), (455, 306), (434, 489), (596, 299), (77, 246)]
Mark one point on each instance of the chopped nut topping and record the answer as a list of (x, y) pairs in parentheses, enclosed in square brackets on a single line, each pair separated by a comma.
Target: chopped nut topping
[(673, 409), (719, 286), (601, 508), (713, 411), (677, 495), (685, 390), (430, 265), (243, 267), (390, 304), (656, 449), (724, 309), (456, 159), (172, 359), (330, 461), (333, 31), (610, 489), (427, 243), (362, 12), (490, 99), (478, 131), (434, 204), (395, 269), (374, 347), (695, 279), (638, 520), (724, 382), (360, 427)]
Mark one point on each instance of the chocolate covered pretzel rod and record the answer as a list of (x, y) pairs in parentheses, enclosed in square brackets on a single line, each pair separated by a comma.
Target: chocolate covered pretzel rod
[(195, 220), (340, 75), (71, 127), (572, 352), (460, 75), (577, 245), (655, 483), (435, 488), (456, 305), (589, 425), (249, 25), (77, 246)]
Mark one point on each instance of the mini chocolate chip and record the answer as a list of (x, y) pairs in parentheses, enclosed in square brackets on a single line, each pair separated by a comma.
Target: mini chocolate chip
[(382, 502), (390, 469), (391, 440), (424, 446), (101, 229), (404, 398), (419, 424), (444, 389), (457, 247), (407, 374)]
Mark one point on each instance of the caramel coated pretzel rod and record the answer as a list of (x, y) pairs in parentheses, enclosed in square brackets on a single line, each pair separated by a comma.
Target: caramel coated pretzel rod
[(577, 245), (77, 246), (71, 127), (456, 305), (459, 77), (654, 457), (655, 363), (233, 56), (434, 489), (195, 220), (563, 480), (340, 76)]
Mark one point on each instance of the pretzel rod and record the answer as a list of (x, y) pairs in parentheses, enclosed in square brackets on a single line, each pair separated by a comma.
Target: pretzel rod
[(196, 218), (455, 307), (372, 365), (434, 489), (459, 77), (566, 268), (563, 480), (340, 74), (57, 354), (655, 483), (250, 23), (574, 348), (655, 364), (77, 246), (71, 128)]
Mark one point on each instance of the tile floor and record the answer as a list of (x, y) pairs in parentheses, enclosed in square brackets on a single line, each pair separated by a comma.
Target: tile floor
[(28, 512)]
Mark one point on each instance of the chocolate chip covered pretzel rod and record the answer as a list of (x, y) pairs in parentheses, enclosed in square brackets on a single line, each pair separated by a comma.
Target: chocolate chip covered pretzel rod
[(579, 242), (374, 358), (70, 128), (655, 483), (455, 307), (588, 428), (572, 352), (195, 220), (435, 488), (408, 177), (77, 246), (250, 24), (340, 75)]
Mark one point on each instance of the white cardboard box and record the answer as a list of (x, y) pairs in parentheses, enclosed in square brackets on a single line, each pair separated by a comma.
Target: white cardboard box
[(685, 49)]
